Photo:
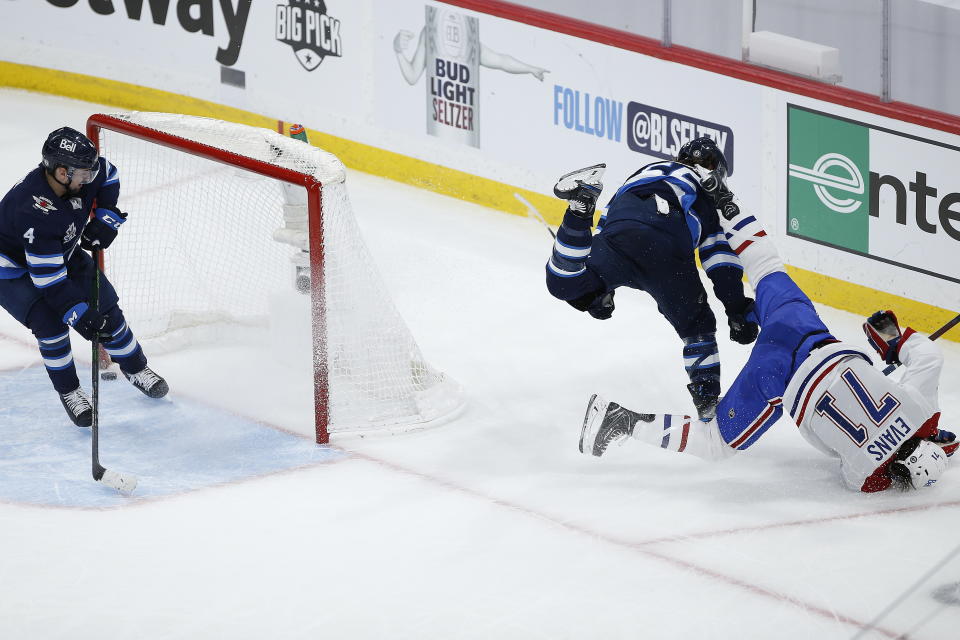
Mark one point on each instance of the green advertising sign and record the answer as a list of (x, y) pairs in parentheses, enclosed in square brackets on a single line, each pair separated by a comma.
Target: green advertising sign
[(884, 194), (827, 189)]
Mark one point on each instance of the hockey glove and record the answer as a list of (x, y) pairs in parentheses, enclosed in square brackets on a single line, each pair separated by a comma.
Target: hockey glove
[(715, 184), (86, 321), (713, 181), (580, 189), (743, 331), (104, 227), (947, 441), (726, 206), (883, 334), (944, 437), (598, 305), (602, 306)]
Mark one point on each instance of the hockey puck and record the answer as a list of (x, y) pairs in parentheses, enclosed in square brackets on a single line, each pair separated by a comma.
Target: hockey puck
[(108, 375)]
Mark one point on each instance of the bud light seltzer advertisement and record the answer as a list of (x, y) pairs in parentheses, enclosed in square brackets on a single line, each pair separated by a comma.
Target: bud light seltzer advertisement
[(453, 75), (879, 193)]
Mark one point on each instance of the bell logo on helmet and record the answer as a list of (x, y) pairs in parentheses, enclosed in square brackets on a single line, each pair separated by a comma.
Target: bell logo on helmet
[(69, 145)]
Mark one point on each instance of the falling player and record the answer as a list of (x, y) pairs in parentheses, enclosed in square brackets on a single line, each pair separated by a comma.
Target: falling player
[(646, 240), (885, 433), (45, 281)]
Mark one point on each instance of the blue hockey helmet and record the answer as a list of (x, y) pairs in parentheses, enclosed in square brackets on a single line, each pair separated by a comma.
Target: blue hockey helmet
[(703, 151), (70, 149)]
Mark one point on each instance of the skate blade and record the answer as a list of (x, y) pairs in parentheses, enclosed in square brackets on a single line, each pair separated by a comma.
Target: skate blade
[(596, 409), (589, 175)]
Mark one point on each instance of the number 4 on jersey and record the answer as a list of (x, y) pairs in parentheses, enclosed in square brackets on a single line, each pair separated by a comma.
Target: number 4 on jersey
[(29, 235)]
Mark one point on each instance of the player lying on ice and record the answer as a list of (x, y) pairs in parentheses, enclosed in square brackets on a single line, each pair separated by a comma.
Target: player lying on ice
[(885, 433), (45, 279), (646, 240)]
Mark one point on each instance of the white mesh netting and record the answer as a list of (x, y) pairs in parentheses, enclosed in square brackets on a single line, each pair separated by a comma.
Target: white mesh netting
[(197, 256)]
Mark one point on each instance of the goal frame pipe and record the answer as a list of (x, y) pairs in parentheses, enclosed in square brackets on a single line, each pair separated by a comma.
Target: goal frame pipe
[(314, 188)]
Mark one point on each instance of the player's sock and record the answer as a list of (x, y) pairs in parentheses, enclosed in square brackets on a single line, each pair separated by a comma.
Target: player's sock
[(571, 247), (58, 360), (148, 382), (682, 434), (78, 407), (123, 348), (749, 241)]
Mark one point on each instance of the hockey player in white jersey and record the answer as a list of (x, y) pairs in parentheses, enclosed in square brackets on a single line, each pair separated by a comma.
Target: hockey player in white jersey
[(885, 433)]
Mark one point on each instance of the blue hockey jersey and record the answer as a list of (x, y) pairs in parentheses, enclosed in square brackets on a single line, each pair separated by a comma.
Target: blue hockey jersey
[(39, 231), (682, 214), (680, 187)]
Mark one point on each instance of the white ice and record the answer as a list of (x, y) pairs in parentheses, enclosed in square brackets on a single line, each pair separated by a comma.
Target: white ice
[(492, 525)]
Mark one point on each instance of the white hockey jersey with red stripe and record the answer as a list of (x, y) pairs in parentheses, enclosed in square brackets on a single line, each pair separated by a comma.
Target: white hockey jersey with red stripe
[(847, 408)]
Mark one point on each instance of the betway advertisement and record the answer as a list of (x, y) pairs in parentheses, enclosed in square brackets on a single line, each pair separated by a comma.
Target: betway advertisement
[(875, 192)]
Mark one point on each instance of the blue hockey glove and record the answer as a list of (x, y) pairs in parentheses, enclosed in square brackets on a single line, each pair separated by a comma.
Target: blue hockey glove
[(947, 441), (883, 334), (86, 321), (103, 229), (944, 437), (743, 331)]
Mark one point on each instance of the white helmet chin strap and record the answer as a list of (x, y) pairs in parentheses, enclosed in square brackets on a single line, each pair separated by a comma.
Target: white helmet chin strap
[(926, 464)]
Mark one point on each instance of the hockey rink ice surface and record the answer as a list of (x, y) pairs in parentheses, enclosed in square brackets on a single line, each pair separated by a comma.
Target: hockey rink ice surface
[(492, 525)]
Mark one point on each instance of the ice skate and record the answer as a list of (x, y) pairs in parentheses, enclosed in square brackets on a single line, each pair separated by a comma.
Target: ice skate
[(604, 424), (568, 183), (706, 397), (78, 407), (148, 382)]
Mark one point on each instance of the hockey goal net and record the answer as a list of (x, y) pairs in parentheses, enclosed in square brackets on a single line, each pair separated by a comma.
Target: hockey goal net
[(208, 201)]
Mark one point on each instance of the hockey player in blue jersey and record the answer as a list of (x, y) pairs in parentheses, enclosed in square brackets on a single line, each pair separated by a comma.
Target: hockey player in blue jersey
[(45, 277), (646, 240), (884, 433)]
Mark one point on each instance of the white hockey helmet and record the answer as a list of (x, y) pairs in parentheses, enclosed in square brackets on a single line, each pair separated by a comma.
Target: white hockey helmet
[(926, 464)]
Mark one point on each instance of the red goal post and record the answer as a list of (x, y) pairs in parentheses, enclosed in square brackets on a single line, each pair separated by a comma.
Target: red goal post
[(380, 387)]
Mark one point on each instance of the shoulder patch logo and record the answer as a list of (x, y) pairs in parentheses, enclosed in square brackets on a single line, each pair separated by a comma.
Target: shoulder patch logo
[(76, 203), (43, 204)]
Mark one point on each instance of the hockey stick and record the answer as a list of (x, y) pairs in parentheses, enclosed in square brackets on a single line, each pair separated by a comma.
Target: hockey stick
[(125, 483), (933, 336), (533, 213)]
